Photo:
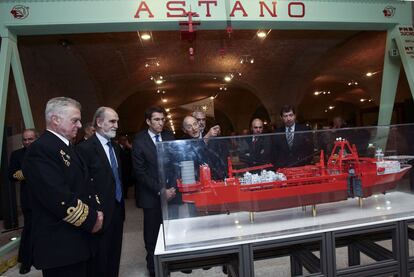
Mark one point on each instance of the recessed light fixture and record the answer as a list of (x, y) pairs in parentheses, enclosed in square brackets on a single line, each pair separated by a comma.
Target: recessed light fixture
[(145, 36), (331, 107), (164, 100), (158, 79), (324, 92), (261, 34), (228, 77), (369, 74), (167, 110)]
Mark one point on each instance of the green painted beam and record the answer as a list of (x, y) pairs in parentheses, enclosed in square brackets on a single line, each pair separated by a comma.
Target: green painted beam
[(5, 57), (21, 88), (390, 76), (10, 246), (79, 16)]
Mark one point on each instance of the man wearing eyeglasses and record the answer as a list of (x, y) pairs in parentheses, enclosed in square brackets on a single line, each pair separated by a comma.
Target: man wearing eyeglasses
[(201, 118), (149, 189)]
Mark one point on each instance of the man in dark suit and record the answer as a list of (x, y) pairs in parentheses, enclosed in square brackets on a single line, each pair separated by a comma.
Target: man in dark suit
[(102, 159), (149, 189), (16, 175), (259, 150), (63, 212), (293, 145), (125, 155)]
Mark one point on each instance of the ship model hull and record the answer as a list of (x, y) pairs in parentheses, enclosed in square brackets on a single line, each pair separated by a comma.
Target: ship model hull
[(344, 175)]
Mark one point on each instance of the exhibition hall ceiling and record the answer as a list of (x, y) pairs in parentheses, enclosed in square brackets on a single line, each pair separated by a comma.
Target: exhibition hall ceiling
[(314, 70)]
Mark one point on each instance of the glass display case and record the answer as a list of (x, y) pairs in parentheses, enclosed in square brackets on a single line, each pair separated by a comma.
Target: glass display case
[(244, 188)]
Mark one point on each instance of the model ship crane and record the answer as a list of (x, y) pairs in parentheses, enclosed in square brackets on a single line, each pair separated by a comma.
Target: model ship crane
[(344, 175)]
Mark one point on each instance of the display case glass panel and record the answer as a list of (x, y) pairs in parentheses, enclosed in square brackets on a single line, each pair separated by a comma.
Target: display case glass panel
[(244, 188)]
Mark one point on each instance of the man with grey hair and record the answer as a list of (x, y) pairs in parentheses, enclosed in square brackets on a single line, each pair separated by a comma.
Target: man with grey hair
[(201, 118), (63, 207), (102, 159)]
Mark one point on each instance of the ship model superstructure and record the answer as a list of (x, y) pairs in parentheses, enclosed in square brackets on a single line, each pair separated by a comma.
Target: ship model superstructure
[(344, 175)]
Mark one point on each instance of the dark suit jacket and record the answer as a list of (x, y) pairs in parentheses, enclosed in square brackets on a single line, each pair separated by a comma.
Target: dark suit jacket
[(145, 166), (101, 176), (301, 152), (16, 160), (62, 214), (259, 152)]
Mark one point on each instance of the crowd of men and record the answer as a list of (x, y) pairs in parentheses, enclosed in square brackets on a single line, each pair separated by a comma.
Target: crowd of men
[(75, 193)]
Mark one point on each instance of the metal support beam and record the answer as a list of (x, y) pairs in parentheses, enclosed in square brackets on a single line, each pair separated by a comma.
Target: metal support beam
[(390, 75), (5, 57), (21, 88)]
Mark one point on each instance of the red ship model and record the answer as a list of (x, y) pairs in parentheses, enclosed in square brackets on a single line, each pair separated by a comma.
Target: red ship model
[(344, 175)]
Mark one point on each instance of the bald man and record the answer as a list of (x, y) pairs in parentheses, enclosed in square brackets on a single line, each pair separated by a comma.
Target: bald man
[(260, 147)]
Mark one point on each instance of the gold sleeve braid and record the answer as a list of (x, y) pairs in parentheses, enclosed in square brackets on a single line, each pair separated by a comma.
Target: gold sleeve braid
[(77, 215)]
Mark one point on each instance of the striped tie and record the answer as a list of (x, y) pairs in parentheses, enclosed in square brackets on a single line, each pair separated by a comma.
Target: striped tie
[(289, 137)]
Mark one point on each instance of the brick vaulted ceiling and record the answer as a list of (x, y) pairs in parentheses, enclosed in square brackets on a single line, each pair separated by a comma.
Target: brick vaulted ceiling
[(109, 69)]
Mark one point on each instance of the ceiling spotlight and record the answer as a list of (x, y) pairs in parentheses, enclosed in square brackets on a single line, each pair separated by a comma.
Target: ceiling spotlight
[(145, 36), (369, 74), (261, 34), (167, 110), (158, 79), (164, 100), (246, 59), (152, 62), (228, 77), (316, 93), (211, 97), (331, 107), (169, 116), (362, 100)]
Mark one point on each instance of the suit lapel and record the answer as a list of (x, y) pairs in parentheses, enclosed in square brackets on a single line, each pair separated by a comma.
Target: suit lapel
[(101, 152)]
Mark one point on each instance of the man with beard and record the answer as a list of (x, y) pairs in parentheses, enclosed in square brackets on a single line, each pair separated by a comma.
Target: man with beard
[(63, 212), (149, 189), (102, 158), (16, 175)]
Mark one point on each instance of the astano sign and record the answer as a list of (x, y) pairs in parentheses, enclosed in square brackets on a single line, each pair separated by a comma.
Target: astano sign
[(85, 16), (207, 8)]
